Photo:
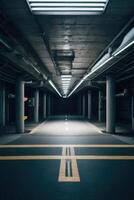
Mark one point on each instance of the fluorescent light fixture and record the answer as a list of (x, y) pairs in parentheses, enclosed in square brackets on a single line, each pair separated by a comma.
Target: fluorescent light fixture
[(92, 71), (96, 1), (67, 7), (36, 5), (52, 84), (121, 50), (66, 76), (81, 81), (89, 74), (65, 79), (65, 82)]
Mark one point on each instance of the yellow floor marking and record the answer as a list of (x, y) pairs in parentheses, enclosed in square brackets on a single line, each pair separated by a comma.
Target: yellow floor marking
[(62, 172), (84, 157), (105, 157), (75, 171), (30, 157), (66, 145)]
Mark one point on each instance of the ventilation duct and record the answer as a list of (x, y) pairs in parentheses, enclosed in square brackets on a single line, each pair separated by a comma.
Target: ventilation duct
[(101, 61), (64, 59), (127, 41)]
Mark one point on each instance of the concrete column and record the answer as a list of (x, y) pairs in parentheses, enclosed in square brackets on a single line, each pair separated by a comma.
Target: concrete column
[(7, 107), (89, 105), (2, 105), (79, 104), (19, 106), (83, 106), (49, 105), (44, 106), (100, 106), (110, 104), (36, 106), (132, 111)]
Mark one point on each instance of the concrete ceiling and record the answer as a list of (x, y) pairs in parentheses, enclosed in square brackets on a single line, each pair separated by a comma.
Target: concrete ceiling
[(86, 36)]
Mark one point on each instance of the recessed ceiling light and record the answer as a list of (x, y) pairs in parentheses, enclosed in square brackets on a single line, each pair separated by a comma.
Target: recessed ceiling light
[(66, 76), (65, 79), (67, 7)]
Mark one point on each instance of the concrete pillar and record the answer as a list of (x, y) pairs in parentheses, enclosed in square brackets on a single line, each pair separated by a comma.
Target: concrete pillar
[(49, 105), (100, 106), (19, 106), (36, 106), (89, 105), (110, 104), (44, 106), (83, 105), (2, 105), (132, 111), (7, 107), (79, 104)]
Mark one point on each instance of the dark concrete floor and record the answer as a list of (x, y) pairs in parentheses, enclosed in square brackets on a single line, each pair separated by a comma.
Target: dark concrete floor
[(38, 179)]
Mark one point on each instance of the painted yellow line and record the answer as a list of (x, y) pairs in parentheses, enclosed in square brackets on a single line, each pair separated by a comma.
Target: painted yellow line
[(62, 170), (30, 157), (66, 157), (75, 171), (66, 145), (104, 157), (68, 154)]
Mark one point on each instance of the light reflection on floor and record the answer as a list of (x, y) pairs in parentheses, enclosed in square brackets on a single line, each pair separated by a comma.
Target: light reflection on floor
[(67, 127)]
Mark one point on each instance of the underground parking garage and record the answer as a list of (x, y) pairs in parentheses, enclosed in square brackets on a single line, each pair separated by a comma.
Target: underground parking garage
[(66, 99)]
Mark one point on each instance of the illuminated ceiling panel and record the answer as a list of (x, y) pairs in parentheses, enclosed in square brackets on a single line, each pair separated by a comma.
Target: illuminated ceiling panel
[(67, 7)]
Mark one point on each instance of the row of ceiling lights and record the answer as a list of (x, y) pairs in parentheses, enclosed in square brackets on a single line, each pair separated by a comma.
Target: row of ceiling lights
[(66, 79)]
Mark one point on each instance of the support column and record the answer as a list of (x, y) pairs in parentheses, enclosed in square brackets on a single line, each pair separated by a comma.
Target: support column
[(36, 106), (89, 105), (100, 107), (2, 105), (79, 104), (49, 105), (19, 106), (83, 106), (110, 104), (44, 106), (132, 110)]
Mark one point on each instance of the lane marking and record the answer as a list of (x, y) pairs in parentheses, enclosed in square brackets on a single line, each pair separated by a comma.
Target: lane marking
[(62, 158), (75, 171), (68, 156), (66, 145)]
